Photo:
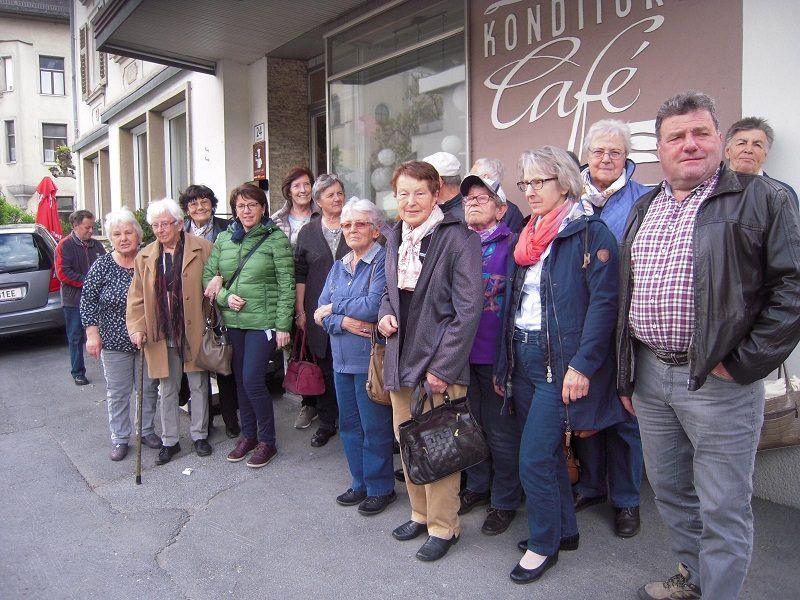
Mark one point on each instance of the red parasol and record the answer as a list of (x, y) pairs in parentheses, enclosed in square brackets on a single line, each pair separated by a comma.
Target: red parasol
[(47, 214)]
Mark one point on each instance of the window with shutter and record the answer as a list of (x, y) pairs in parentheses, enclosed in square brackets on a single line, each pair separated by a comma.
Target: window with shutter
[(83, 40), (102, 57)]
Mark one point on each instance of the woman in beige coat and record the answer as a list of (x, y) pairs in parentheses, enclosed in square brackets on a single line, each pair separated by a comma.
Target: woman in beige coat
[(165, 318)]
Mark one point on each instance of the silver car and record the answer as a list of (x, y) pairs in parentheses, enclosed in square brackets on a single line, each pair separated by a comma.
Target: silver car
[(30, 298)]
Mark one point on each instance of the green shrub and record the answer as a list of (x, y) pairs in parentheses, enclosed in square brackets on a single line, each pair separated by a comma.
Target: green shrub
[(11, 215), (147, 231)]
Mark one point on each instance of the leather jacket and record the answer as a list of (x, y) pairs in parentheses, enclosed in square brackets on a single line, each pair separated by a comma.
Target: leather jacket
[(746, 244)]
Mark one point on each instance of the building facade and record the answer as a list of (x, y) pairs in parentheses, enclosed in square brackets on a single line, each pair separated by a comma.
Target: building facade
[(356, 87), (36, 99)]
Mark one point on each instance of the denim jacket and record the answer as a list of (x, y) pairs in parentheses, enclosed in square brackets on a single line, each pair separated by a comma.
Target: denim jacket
[(357, 295)]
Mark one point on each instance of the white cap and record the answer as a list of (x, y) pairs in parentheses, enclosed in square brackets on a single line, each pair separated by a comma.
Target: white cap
[(445, 163)]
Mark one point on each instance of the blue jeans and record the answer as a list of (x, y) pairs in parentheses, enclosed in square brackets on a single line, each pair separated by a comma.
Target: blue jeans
[(613, 454), (365, 428), (76, 336), (503, 435), (542, 466), (699, 450), (251, 353)]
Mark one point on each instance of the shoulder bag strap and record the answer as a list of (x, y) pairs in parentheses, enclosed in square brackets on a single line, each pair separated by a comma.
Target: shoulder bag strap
[(244, 260)]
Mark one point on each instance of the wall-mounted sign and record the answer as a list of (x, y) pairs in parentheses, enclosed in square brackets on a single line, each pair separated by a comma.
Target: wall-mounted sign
[(258, 133), (260, 160), (542, 72)]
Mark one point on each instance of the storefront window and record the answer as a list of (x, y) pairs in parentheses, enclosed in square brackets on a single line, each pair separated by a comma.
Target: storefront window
[(405, 107)]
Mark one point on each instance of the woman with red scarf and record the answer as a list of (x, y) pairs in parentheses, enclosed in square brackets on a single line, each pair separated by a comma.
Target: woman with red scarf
[(558, 350)]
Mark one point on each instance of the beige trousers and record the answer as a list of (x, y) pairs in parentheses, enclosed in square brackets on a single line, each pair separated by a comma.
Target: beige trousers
[(437, 503)]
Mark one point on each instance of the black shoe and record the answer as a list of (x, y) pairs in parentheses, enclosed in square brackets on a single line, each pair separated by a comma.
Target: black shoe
[(166, 453), (435, 548), (409, 530), (497, 521), (582, 502), (568, 543), (80, 380), (233, 430), (202, 447), (626, 522), (522, 575), (399, 475), (321, 436), (351, 497), (372, 505), (470, 500)]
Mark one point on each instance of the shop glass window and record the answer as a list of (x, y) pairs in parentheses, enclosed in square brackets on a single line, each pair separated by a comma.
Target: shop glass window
[(51, 75), (53, 136), (403, 108)]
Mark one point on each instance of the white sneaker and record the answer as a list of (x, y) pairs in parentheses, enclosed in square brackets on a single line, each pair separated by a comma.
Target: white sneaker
[(306, 416)]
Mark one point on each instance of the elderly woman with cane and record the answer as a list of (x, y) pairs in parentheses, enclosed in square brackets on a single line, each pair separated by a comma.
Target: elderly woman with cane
[(103, 304), (429, 313), (165, 318)]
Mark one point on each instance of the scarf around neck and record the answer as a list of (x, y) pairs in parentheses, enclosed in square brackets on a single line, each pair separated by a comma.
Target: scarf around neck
[(169, 303), (595, 196), (409, 265), (538, 234)]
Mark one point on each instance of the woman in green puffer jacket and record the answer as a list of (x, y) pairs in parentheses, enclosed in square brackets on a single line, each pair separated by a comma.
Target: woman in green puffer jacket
[(257, 308)]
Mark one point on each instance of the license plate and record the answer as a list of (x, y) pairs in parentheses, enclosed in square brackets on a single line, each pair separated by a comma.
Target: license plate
[(15, 293)]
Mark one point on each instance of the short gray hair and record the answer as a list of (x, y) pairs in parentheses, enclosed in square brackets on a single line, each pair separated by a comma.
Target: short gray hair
[(608, 127), (554, 162), (749, 123), (685, 103), (159, 207), (323, 182), (365, 207), (122, 216), (493, 167)]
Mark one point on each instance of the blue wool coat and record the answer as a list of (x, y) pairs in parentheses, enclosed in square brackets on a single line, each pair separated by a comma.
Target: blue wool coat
[(580, 307)]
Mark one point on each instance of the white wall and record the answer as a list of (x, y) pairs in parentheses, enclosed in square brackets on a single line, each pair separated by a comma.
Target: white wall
[(770, 88)]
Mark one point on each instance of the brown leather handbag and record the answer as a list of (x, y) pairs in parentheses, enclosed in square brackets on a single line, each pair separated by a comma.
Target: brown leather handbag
[(215, 351), (375, 389)]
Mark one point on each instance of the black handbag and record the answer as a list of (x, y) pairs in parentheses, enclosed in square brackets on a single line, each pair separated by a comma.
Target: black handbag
[(215, 350), (444, 440)]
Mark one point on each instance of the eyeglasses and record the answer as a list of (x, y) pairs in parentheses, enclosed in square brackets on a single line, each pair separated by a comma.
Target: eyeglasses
[(199, 202), (479, 199), (157, 226), (599, 153), (251, 206), (359, 225), (536, 184)]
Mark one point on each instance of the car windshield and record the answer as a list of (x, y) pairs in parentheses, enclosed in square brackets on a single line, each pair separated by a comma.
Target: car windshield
[(22, 252)]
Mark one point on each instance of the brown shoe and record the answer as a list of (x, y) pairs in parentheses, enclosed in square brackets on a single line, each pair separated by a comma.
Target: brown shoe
[(243, 447), (263, 454)]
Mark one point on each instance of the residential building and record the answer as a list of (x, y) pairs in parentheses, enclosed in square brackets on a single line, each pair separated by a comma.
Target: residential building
[(36, 98)]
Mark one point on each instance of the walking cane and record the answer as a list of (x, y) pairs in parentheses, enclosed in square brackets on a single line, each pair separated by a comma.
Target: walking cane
[(139, 392)]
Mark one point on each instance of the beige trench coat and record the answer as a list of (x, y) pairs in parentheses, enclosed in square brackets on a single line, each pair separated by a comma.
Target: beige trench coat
[(141, 311)]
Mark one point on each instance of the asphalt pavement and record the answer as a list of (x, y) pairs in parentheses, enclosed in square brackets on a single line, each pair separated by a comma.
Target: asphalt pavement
[(73, 524)]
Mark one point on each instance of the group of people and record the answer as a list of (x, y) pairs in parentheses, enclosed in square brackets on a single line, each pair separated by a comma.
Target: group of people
[(634, 322)]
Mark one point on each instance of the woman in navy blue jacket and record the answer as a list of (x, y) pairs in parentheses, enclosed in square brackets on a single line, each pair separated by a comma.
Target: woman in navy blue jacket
[(348, 310), (558, 350)]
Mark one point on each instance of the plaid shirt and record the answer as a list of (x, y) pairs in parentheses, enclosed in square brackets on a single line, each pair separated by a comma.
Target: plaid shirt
[(662, 307)]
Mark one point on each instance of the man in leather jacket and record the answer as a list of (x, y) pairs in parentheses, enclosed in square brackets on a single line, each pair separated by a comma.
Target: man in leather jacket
[(709, 305)]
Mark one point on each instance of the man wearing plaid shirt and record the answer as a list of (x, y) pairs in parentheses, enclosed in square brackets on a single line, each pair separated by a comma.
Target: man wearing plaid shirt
[(709, 305)]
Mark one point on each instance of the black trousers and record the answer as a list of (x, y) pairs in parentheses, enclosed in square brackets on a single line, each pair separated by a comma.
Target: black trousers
[(228, 400)]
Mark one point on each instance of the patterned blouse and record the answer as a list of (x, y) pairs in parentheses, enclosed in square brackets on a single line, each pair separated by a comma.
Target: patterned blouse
[(104, 301)]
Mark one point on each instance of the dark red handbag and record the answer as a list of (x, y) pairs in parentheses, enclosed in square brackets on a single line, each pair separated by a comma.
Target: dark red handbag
[(303, 374)]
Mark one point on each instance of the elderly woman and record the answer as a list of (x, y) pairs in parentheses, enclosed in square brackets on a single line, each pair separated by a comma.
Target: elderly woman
[(348, 310), (429, 314), (165, 317), (614, 454), (496, 481), (103, 302), (200, 205), (257, 310), (319, 244), (559, 335), (299, 206)]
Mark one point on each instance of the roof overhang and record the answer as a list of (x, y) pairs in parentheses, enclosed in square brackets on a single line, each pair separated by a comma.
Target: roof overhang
[(196, 34)]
